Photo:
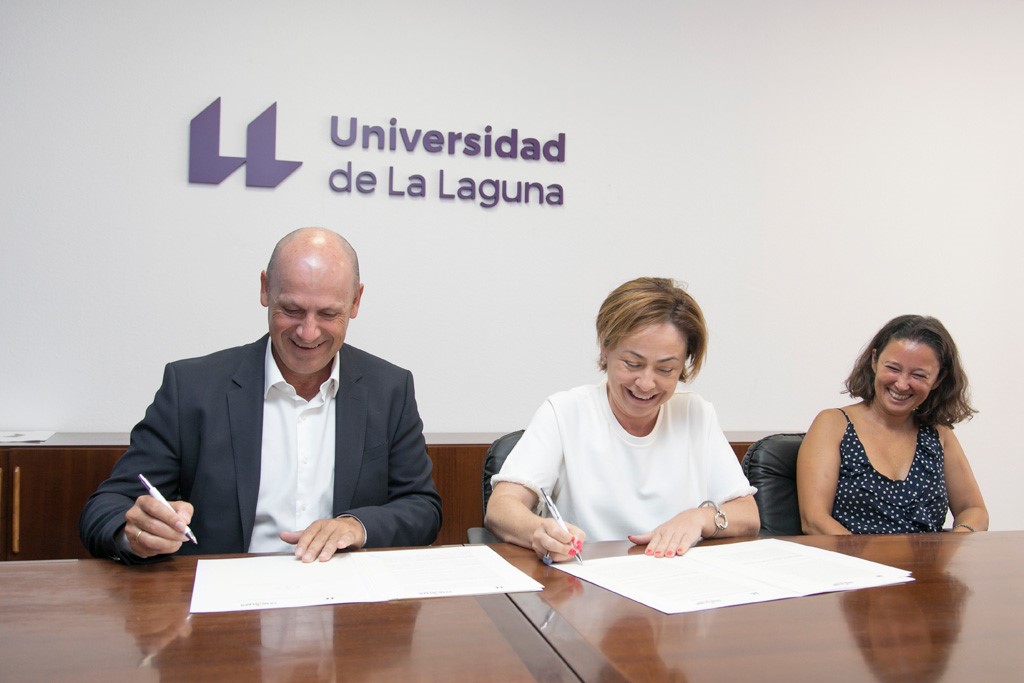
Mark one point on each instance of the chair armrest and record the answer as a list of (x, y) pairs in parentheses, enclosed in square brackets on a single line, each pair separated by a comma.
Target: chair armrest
[(478, 535)]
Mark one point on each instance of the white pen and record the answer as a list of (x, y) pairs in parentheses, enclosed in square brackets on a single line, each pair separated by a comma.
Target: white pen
[(155, 492), (558, 518)]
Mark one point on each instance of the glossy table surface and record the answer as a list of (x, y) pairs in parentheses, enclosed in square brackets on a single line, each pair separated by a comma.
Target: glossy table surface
[(94, 620), (961, 619)]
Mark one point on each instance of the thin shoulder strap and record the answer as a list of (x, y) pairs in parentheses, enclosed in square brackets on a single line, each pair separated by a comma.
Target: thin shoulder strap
[(845, 415)]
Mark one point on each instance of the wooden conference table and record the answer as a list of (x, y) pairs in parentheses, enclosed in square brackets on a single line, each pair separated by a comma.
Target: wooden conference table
[(961, 619)]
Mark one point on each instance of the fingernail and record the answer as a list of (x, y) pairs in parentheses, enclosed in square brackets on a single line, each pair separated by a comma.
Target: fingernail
[(579, 545), (572, 552)]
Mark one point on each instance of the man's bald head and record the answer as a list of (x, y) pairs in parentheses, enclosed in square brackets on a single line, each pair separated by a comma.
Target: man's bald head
[(319, 239)]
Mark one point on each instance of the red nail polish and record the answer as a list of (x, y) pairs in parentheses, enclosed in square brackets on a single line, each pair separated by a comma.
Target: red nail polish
[(572, 552)]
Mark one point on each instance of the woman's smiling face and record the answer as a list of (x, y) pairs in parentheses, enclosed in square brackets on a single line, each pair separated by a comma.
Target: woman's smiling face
[(905, 373), (643, 372)]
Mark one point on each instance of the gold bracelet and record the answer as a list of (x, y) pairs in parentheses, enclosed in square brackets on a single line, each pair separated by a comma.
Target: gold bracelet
[(721, 521), (966, 526)]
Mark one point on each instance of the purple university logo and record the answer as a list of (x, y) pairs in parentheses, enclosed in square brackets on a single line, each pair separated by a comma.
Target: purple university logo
[(262, 167)]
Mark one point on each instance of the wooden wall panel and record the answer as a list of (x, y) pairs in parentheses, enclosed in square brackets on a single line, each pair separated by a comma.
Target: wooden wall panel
[(57, 478)]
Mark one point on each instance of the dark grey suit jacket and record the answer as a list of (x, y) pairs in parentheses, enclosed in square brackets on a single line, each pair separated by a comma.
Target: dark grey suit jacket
[(200, 441)]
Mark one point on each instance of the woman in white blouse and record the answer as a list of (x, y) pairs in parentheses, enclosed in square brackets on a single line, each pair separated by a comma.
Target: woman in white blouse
[(636, 456)]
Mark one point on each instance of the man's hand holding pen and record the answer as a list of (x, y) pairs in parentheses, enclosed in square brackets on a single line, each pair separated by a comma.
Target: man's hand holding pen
[(152, 528)]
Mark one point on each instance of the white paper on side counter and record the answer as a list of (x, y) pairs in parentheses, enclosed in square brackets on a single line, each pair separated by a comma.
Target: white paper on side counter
[(273, 581), (24, 437), (735, 574)]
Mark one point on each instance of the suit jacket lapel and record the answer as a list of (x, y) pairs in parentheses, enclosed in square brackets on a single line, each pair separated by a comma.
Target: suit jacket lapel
[(245, 413), (350, 431)]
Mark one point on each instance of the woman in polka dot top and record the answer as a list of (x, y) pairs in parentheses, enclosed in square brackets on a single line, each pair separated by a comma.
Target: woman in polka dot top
[(891, 464)]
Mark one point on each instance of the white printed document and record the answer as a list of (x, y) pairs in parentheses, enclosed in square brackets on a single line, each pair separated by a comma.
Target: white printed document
[(736, 574), (246, 583), (24, 437)]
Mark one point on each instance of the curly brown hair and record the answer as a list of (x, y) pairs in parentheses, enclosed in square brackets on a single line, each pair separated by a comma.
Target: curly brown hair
[(949, 402)]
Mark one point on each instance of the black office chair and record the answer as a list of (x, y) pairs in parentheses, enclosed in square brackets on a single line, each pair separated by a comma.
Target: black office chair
[(493, 461), (770, 465)]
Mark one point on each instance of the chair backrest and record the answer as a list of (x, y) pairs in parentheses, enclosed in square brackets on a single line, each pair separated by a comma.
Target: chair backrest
[(493, 461), (770, 465)]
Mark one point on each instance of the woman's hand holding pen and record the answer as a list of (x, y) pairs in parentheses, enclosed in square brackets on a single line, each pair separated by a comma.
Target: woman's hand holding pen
[(550, 540)]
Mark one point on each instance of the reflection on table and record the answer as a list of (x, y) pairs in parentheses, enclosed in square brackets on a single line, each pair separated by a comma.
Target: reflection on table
[(902, 634), (959, 620), (95, 620)]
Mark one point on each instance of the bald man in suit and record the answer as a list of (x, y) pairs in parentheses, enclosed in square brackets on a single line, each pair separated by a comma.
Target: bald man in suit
[(297, 442)]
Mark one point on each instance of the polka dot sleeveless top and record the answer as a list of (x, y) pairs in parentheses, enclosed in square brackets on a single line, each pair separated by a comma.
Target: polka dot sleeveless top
[(868, 502)]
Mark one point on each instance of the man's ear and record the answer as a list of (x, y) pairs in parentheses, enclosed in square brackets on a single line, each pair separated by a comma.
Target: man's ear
[(355, 302), (264, 289)]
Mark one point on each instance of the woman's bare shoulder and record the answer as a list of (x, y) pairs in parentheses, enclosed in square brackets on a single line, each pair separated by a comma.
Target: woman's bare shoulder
[(830, 420)]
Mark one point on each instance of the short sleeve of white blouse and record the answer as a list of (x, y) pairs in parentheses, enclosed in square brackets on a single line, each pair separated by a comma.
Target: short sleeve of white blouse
[(611, 483)]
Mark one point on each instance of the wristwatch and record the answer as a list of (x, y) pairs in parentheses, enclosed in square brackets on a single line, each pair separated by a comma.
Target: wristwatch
[(721, 521)]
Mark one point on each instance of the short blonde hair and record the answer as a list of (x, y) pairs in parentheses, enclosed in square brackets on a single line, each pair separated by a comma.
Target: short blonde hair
[(650, 301)]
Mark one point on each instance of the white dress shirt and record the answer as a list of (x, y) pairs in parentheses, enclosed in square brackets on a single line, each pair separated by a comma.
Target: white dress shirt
[(297, 459)]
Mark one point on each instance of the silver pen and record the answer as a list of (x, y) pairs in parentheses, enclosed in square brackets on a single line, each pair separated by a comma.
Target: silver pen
[(155, 492), (558, 518)]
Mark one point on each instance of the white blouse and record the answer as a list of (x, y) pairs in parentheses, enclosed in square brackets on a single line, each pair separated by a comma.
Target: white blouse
[(612, 484)]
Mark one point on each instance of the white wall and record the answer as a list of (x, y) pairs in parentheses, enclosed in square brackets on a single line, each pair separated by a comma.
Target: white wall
[(810, 168)]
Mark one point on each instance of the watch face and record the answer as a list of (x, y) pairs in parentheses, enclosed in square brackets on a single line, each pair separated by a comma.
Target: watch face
[(721, 521)]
